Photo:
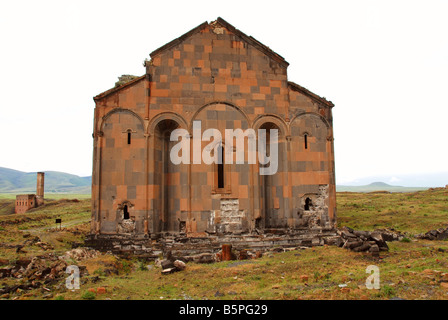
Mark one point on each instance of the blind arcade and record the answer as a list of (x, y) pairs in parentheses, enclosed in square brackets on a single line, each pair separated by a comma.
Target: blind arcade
[(212, 153)]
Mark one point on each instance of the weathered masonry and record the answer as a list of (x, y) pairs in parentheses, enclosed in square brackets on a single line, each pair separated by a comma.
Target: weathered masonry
[(225, 79)]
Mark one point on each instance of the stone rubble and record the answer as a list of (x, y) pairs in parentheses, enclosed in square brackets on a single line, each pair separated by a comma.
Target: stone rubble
[(439, 234), (365, 241), (42, 270), (79, 254), (171, 264), (35, 273), (30, 241)]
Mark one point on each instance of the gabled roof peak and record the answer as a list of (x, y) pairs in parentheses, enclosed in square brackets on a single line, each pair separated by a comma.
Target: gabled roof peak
[(305, 91), (224, 24)]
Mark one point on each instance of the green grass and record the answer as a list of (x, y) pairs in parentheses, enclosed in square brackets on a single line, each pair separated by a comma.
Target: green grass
[(88, 295), (7, 206), (415, 212), (280, 277), (403, 269), (39, 220), (386, 188)]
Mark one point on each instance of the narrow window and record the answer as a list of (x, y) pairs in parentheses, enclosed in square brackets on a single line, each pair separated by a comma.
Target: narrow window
[(220, 167), (125, 212), (306, 141), (129, 137), (308, 204)]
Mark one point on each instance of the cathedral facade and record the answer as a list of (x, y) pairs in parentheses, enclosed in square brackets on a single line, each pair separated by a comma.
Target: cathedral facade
[(212, 77)]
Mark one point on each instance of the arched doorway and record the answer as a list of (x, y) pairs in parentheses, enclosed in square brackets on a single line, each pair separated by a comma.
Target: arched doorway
[(271, 194), (166, 177)]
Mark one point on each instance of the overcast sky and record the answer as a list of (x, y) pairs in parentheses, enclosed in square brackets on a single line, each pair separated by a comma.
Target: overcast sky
[(384, 64)]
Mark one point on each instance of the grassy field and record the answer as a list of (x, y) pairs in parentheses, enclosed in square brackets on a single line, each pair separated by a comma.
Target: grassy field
[(415, 212), (412, 269), (39, 222)]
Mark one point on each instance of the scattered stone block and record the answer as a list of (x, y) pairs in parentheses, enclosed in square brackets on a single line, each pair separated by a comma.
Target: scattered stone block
[(179, 265), (167, 264), (168, 271)]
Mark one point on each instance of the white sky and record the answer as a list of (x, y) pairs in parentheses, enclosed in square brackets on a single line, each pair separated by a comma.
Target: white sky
[(383, 63)]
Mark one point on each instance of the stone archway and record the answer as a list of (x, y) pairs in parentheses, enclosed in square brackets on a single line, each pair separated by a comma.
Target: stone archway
[(273, 210), (166, 178)]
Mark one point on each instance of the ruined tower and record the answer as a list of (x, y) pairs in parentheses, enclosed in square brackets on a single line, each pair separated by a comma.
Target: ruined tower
[(218, 77), (40, 188), (25, 202)]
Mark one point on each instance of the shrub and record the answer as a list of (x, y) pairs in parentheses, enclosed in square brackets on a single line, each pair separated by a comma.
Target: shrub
[(387, 291), (88, 295), (142, 266), (99, 272), (126, 266)]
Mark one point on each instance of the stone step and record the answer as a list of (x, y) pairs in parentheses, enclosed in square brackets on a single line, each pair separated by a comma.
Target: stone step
[(127, 245)]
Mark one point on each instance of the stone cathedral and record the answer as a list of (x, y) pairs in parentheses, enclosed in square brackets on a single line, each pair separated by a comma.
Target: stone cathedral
[(220, 78)]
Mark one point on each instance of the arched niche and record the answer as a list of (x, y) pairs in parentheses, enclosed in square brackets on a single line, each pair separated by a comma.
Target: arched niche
[(271, 186), (122, 166), (168, 178)]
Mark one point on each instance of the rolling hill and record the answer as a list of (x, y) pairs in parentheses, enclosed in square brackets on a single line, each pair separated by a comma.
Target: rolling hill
[(14, 181), (378, 186)]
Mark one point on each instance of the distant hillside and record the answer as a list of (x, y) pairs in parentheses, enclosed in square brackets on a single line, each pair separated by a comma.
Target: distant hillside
[(378, 186), (429, 180), (13, 181)]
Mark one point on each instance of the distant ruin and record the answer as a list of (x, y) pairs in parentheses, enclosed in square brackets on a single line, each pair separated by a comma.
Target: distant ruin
[(25, 202)]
